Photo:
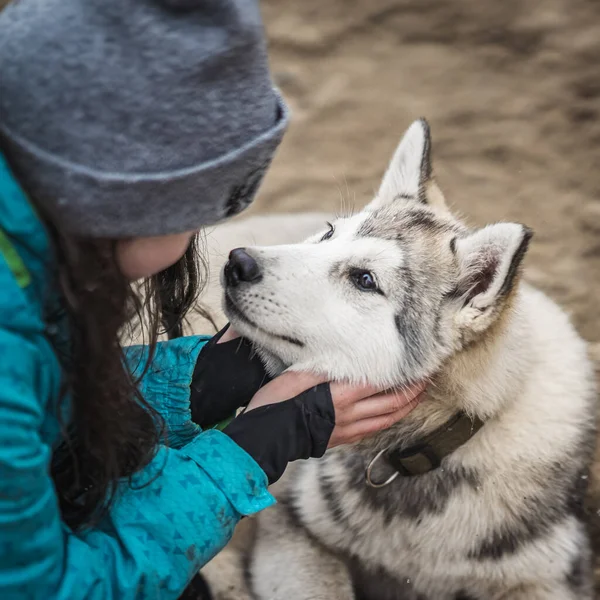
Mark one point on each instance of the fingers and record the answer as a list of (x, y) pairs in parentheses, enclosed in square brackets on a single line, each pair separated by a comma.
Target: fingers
[(288, 385), (378, 405), (347, 399), (355, 431), (345, 395)]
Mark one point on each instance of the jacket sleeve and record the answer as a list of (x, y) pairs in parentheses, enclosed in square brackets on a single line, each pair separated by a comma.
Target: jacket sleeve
[(170, 520), (166, 382)]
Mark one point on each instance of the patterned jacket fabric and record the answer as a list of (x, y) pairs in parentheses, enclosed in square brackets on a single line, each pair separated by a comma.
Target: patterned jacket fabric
[(175, 515)]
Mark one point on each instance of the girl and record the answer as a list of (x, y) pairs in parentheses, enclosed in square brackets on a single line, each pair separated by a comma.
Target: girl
[(126, 126)]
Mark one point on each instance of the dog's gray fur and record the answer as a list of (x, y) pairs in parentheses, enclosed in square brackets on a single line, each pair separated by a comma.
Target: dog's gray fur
[(501, 518)]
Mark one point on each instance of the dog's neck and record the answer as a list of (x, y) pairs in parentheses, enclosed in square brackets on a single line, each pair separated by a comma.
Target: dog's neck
[(488, 374), (482, 380)]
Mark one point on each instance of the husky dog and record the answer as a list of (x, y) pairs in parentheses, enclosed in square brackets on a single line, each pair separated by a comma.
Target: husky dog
[(478, 493)]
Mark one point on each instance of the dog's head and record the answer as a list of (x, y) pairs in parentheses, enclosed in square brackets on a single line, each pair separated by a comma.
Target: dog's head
[(385, 295)]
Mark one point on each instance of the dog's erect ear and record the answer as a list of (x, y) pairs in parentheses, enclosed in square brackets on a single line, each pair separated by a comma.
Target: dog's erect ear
[(409, 171), (489, 263)]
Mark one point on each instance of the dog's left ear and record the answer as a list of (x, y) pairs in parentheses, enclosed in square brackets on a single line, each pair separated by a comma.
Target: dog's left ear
[(409, 171), (489, 263)]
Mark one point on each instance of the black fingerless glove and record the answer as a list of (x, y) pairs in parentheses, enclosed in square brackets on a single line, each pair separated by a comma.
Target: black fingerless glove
[(226, 377), (277, 434)]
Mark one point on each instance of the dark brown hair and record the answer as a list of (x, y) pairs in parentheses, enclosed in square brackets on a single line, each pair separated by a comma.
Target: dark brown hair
[(112, 432)]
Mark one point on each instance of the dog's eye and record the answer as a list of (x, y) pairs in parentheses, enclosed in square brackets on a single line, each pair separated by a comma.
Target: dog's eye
[(364, 280), (329, 233)]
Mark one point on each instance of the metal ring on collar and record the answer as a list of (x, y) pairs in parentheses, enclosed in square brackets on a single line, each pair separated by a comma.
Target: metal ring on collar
[(370, 466)]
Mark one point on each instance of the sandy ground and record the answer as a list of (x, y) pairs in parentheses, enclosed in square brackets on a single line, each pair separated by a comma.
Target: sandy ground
[(512, 92)]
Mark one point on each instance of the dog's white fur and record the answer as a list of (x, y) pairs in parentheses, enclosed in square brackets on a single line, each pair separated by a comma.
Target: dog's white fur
[(499, 519)]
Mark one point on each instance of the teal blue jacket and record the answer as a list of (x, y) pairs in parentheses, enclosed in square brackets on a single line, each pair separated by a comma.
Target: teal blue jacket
[(157, 535)]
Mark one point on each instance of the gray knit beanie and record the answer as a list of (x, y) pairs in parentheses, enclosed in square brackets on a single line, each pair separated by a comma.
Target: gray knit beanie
[(137, 117)]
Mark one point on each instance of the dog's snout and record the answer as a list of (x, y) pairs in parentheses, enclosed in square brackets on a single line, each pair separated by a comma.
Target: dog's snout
[(241, 267)]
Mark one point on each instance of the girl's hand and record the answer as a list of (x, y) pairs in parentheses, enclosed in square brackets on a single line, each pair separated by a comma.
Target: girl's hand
[(288, 420), (360, 410), (228, 373)]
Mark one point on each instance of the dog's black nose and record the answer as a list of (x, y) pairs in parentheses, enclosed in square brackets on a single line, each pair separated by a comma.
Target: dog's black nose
[(241, 267)]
